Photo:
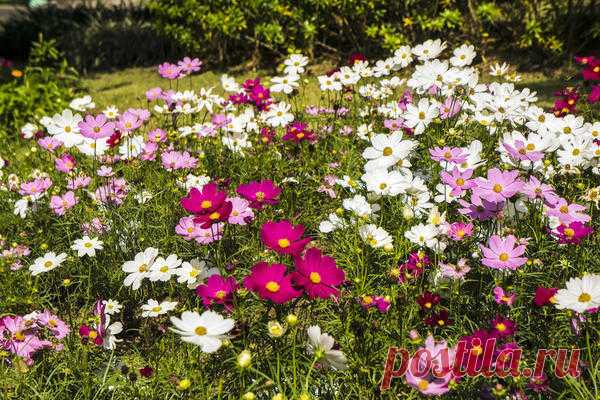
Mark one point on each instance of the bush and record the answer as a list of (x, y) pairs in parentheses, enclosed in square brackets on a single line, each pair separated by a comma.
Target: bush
[(232, 30), (46, 83), (92, 38)]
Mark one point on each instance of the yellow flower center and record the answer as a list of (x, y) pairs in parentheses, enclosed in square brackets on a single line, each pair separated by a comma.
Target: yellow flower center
[(48, 264), (315, 277), (497, 188), (260, 196), (220, 294), (272, 286), (143, 268), (88, 245), (206, 204), (283, 243), (503, 257), (214, 216), (19, 336), (200, 330), (382, 186), (387, 151), (164, 268), (423, 384), (421, 115), (460, 182), (460, 233), (564, 209), (476, 350), (428, 305), (569, 232), (501, 327), (156, 309), (584, 297)]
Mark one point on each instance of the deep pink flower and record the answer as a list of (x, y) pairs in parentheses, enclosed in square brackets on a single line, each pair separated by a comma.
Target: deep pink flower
[(502, 253), (594, 95), (270, 282), (592, 70), (260, 193), (283, 237), (209, 206), (498, 186), (96, 127), (298, 132), (318, 274), (544, 296), (503, 327), (217, 289), (572, 233)]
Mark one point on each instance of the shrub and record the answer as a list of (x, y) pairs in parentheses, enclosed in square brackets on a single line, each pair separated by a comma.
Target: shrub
[(46, 83)]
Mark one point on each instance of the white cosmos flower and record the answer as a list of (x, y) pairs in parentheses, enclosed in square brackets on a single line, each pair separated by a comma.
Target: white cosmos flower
[(332, 223), (206, 330), (131, 147), (321, 345), (28, 130), (387, 150), (361, 207), (194, 272), (87, 246), (91, 147), (375, 236), (139, 268), (429, 49), (580, 294), (279, 115), (21, 207), (423, 235), (153, 308), (295, 64), (112, 306), (65, 127), (47, 262), (229, 84), (463, 55), (285, 84), (420, 116), (163, 268), (384, 182), (109, 341), (327, 82), (111, 112), (82, 104)]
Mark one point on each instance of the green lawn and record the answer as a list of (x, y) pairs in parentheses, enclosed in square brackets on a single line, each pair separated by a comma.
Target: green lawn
[(126, 88)]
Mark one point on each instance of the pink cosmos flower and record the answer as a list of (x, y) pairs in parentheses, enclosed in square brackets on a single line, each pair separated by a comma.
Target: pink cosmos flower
[(460, 230), (153, 94), (394, 124), (187, 228), (96, 127), (189, 65), (128, 122), (149, 151), (502, 297), (79, 182), (382, 303), (594, 95), (449, 108), (270, 282), (501, 253), (17, 337), (58, 327), (174, 160), (454, 155), (49, 143), (441, 356), (535, 189), (35, 187), (568, 213), (458, 181), (157, 135), (105, 171), (283, 237), (209, 235), (519, 151), (479, 208), (65, 163), (219, 290), (318, 274), (241, 213), (498, 186), (260, 193), (60, 204), (114, 192), (455, 271), (169, 71)]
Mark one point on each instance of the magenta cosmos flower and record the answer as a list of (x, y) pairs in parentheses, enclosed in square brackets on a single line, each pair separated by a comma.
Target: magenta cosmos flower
[(572, 233), (270, 282), (502, 253), (260, 193), (209, 205), (318, 274), (96, 127), (498, 186), (283, 237), (460, 230), (217, 289)]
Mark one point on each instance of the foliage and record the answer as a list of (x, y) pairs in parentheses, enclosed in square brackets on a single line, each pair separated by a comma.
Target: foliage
[(43, 87), (91, 37), (234, 30)]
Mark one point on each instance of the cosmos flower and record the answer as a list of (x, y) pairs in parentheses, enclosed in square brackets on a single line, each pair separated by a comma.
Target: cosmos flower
[(260, 193), (317, 274), (217, 290), (502, 253), (283, 237), (270, 282), (322, 344), (207, 330)]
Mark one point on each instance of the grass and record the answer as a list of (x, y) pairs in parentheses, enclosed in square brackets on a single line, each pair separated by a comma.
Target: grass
[(125, 88)]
